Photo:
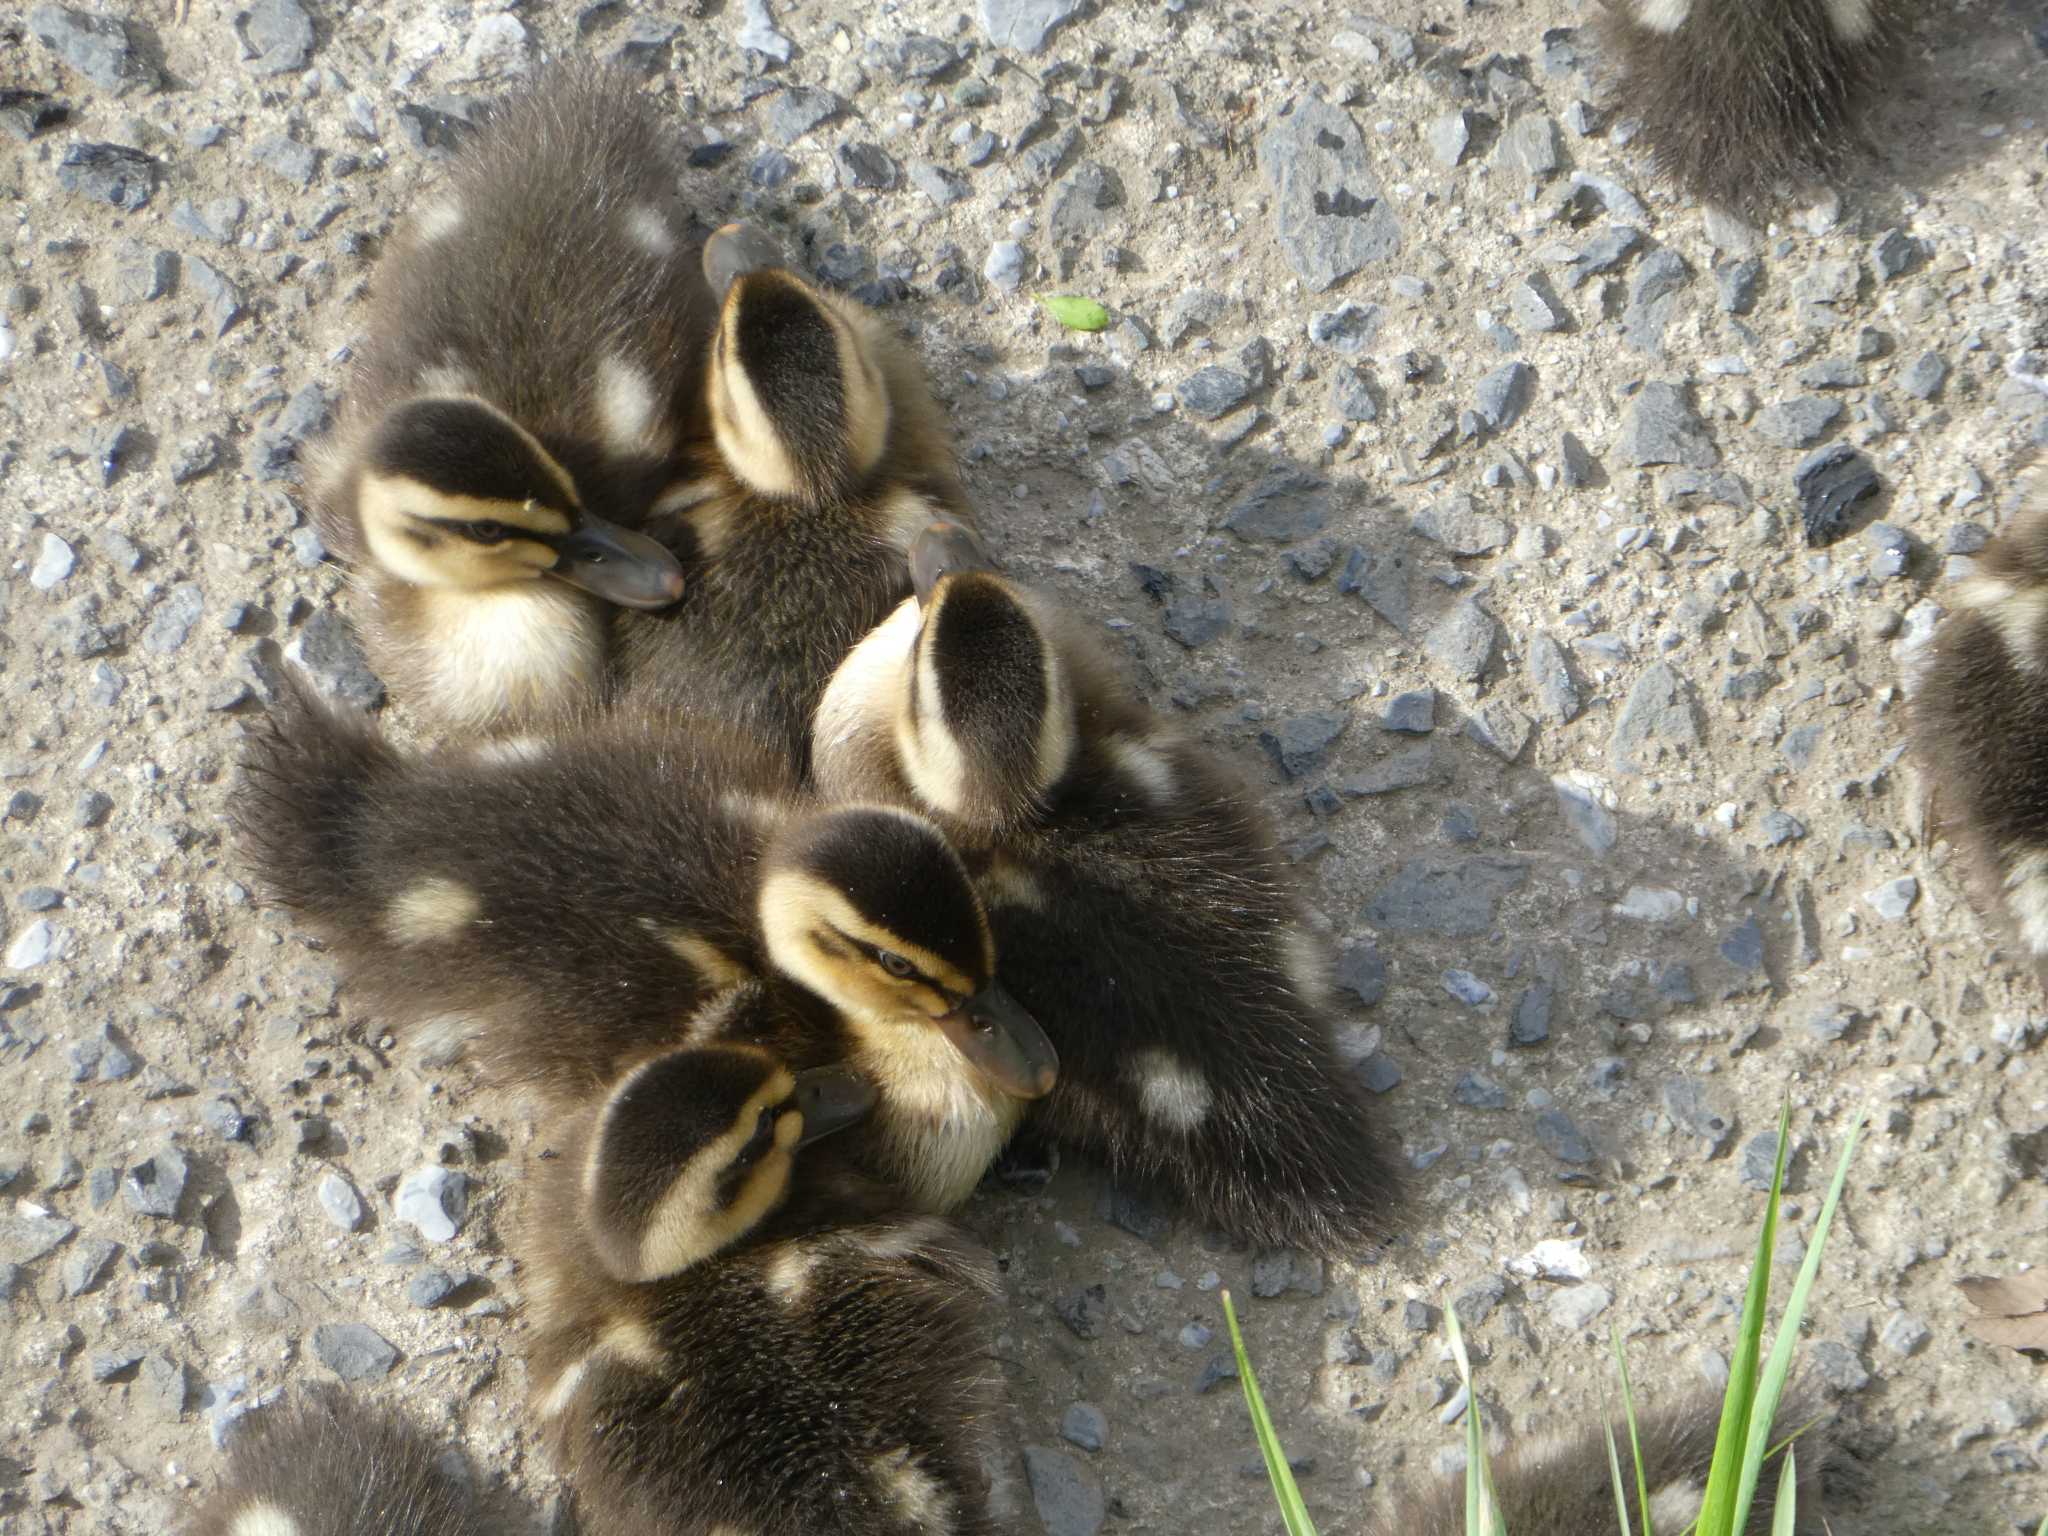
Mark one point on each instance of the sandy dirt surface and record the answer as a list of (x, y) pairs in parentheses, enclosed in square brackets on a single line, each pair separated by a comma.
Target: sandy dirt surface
[(1458, 507)]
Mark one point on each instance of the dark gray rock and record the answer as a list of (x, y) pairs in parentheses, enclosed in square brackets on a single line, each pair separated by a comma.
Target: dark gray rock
[(1361, 972), (277, 36), (286, 158), (1504, 395), (1328, 212), (868, 166), (1759, 1160), (1798, 422), (1133, 1212), (431, 1287), (942, 186), (274, 451), (1591, 822), (1603, 253), (1406, 769), (223, 301), (1743, 947), (1412, 713), (1659, 720), (1562, 1139), (1529, 145), (155, 1187), (24, 1239), (1283, 506), (1084, 1311), (108, 173), (1276, 1271), (795, 111), (1084, 1425), (86, 1265), (1923, 380), (1459, 525), (1836, 1364), (1529, 1024), (96, 46), (329, 652), (1023, 24), (1896, 253), (1456, 897), (1420, 1317), (162, 1385), (1300, 743), (1312, 562), (1462, 641), (1830, 482), (1194, 619), (1351, 395), (1080, 204), (171, 621), (1652, 297), (1661, 427), (1695, 1113), (1477, 1091), (353, 1351), (1735, 285), (922, 57), (1213, 392), (1349, 328), (1500, 728), (1575, 466), (1381, 580), (1550, 677)]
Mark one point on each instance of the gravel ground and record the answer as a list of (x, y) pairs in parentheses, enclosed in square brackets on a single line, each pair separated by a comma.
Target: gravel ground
[(1441, 466)]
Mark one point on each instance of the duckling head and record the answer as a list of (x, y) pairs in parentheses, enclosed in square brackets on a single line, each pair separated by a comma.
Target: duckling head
[(798, 399), (456, 494), (695, 1148), (870, 908)]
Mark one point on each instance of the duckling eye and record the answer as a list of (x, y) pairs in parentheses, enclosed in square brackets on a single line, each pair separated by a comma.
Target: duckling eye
[(489, 532), (895, 964)]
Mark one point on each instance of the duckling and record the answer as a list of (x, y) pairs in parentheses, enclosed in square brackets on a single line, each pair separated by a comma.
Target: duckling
[(1140, 908), (334, 1464), (580, 902), (825, 457), (1737, 97), (767, 1341), (1979, 721), (531, 373), (1562, 1485)]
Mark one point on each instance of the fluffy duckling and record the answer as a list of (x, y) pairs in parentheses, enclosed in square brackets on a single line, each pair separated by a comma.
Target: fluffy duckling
[(1737, 97), (1141, 911), (1562, 1485), (335, 1465), (580, 903), (825, 457), (532, 371), (766, 1342), (1980, 721)]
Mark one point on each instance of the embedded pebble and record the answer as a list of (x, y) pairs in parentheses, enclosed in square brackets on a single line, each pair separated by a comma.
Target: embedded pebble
[(1023, 24), (1084, 1425), (340, 1202), (1468, 989), (1894, 899), (156, 1186), (99, 47), (277, 36), (354, 1351), (1066, 1495), (1661, 427), (1797, 423), (1212, 392), (1005, 265), (433, 1201), (1575, 1306), (54, 562)]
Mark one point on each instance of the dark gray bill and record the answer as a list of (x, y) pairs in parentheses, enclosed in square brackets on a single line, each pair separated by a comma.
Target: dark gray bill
[(1007, 1047), (737, 250), (943, 549), (831, 1099), (618, 565)]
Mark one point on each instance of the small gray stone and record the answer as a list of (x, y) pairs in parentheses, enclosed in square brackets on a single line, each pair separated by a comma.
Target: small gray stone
[(1474, 1089), (106, 1364), (1591, 822), (108, 173), (1084, 1425), (1361, 972), (274, 453), (1276, 1271), (353, 1351), (34, 945), (278, 35), (1798, 422), (795, 111), (330, 654), (1412, 713), (1760, 1160), (1652, 297), (1454, 897), (1743, 947), (1557, 695), (1530, 1022), (1603, 253), (193, 458), (1561, 1138), (1530, 145), (218, 221), (1084, 1311), (432, 1200), (162, 1385), (1406, 769), (920, 56), (1923, 380), (1212, 392), (223, 302), (1023, 24), (1282, 506), (1536, 306), (867, 166), (1300, 743), (1462, 641), (1905, 1335), (1661, 428), (1328, 213), (86, 1265), (1449, 137), (430, 1287), (1830, 481), (155, 1187), (1781, 827), (286, 158), (757, 33), (1419, 1316), (54, 562), (172, 620), (1836, 1364), (943, 187), (1080, 204), (1695, 1113), (1349, 328), (1575, 466), (1575, 1306), (24, 1239), (1459, 525), (1351, 395), (1896, 253), (1504, 395), (1068, 1498), (1893, 900), (98, 47), (92, 808), (1659, 720), (340, 1202), (1500, 728), (1005, 265)]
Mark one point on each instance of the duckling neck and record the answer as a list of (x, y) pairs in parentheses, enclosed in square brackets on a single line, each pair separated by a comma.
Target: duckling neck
[(938, 1127), (509, 656)]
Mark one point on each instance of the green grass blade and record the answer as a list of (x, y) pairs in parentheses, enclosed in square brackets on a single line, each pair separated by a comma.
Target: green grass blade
[(1482, 1503), (1731, 1441), (1771, 1384), (1785, 1513), (1614, 1470), (1635, 1440), (1293, 1513)]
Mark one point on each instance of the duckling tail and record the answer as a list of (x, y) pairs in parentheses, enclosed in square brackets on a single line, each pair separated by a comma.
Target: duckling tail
[(1737, 97), (332, 1464), (301, 805)]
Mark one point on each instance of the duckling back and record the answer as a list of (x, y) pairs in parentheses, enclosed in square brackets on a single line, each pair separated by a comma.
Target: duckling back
[(1562, 1485), (1736, 97), (334, 1465), (1979, 722)]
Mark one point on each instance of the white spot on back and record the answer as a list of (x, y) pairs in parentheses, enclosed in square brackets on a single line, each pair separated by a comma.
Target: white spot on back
[(1675, 1506), (2026, 892), (649, 230), (2019, 614), (627, 410), (1007, 883), (446, 379), (1663, 15), (563, 1392), (433, 908), (789, 1274), (437, 220), (1854, 20), (263, 1519), (1170, 1090), (915, 1492), (513, 749), (1146, 768), (1308, 967), (441, 1038)]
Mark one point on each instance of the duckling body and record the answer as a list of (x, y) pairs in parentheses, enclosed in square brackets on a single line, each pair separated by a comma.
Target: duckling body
[(825, 456), (799, 1355), (1980, 722), (333, 1464), (531, 374), (1140, 908), (575, 904), (1738, 96), (1562, 1485)]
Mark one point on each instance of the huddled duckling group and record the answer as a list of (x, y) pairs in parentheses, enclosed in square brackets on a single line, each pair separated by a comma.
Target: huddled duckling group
[(786, 854)]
